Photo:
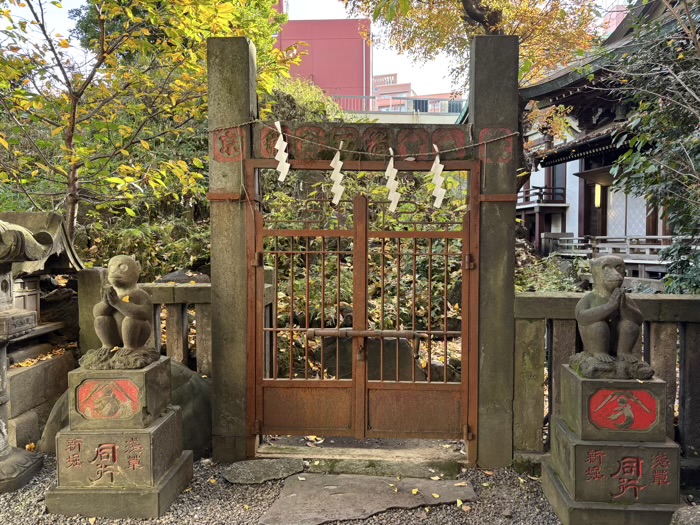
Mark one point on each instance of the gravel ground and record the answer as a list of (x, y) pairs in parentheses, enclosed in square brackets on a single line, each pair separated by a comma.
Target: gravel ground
[(504, 498)]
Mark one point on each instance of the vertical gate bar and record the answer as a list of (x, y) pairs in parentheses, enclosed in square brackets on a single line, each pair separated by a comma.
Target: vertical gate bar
[(306, 337), (255, 305), (291, 307), (444, 313), (383, 313), (472, 240), (337, 310), (359, 304), (275, 325), (416, 342), (260, 323), (398, 301), (430, 307), (323, 305)]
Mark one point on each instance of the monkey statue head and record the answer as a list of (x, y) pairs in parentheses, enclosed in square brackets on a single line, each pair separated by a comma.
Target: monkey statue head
[(123, 271), (608, 273)]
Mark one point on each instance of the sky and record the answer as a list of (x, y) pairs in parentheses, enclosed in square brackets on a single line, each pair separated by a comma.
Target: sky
[(425, 78)]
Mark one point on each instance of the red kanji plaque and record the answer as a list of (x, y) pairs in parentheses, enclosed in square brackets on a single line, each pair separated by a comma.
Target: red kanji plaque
[(623, 409), (108, 399)]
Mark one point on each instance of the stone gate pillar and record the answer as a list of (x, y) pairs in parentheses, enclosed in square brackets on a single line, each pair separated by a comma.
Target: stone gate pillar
[(232, 101), (493, 112)]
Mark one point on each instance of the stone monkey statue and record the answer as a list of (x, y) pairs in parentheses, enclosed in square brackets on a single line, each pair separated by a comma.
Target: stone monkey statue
[(123, 320), (609, 323)]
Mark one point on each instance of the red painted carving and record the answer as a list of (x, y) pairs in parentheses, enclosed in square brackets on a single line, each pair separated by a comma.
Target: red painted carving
[(499, 151), (377, 140), (447, 139), (629, 474), (230, 144), (308, 142), (414, 142), (659, 467), (105, 461), (594, 468), (348, 135), (268, 138), (108, 399), (623, 410), (134, 449)]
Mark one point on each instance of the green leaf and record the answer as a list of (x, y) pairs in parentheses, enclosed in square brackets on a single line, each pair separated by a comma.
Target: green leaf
[(130, 212)]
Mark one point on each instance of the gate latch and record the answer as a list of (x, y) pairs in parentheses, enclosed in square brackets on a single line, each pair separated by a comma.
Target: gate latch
[(469, 262)]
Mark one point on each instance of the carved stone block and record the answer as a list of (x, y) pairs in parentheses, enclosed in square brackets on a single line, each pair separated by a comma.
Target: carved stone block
[(118, 399), (15, 322), (613, 471), (613, 410), (119, 458)]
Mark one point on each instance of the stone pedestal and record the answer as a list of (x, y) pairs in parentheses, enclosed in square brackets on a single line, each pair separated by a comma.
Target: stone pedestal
[(121, 455), (611, 462)]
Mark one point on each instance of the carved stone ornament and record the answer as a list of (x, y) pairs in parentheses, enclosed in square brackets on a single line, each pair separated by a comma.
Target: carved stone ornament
[(609, 323), (123, 321), (20, 244)]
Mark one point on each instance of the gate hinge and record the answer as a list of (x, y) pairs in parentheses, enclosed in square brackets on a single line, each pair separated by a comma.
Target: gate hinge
[(469, 261), (257, 259), (468, 434), (257, 428)]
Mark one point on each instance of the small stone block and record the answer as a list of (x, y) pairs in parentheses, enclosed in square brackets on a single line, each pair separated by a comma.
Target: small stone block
[(16, 321), (572, 512), (24, 429), (123, 502), (613, 409), (118, 399), (616, 472), (119, 458)]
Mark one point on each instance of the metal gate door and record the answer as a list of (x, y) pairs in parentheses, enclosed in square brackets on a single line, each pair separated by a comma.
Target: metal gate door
[(363, 321)]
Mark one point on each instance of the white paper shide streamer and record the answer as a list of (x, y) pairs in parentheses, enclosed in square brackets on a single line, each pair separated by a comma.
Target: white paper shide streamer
[(282, 155), (438, 179), (337, 177), (392, 183)]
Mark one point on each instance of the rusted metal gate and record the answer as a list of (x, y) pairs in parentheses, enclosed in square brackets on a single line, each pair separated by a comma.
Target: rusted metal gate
[(348, 339)]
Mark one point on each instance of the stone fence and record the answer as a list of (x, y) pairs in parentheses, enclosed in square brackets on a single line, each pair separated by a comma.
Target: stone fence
[(182, 302), (546, 336)]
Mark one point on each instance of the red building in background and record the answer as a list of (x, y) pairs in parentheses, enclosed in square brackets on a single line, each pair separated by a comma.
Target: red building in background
[(337, 59)]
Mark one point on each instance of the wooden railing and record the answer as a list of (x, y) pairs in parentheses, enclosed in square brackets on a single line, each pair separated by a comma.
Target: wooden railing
[(545, 335), (177, 300), (637, 248), (542, 194)]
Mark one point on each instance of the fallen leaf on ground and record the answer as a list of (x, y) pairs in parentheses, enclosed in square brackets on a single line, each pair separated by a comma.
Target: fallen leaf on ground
[(31, 447), (415, 492), (461, 484), (92, 521), (246, 507), (436, 495), (488, 472), (466, 508), (534, 478), (446, 446), (126, 299), (435, 478), (460, 503), (212, 481), (301, 479), (486, 484)]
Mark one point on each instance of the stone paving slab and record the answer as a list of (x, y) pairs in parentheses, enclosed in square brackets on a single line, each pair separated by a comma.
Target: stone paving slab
[(257, 471), (312, 499)]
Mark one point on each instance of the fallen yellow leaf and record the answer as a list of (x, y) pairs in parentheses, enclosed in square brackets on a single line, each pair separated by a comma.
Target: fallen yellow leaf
[(301, 479), (126, 298), (415, 491), (460, 503), (436, 495), (461, 484), (212, 481), (92, 521), (435, 478), (246, 507), (31, 447)]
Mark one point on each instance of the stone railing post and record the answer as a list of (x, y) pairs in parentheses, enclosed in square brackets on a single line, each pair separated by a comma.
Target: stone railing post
[(493, 112), (232, 102)]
